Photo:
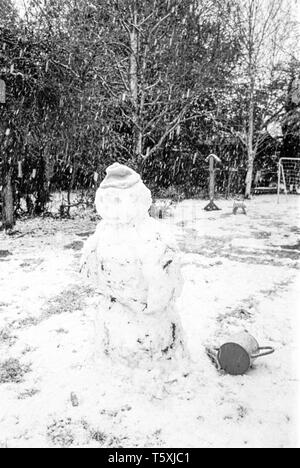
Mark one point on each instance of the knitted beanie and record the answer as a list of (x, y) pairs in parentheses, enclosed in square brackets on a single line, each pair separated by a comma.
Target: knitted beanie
[(119, 176)]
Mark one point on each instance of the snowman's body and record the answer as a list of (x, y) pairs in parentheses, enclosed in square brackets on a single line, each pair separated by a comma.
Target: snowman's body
[(133, 261)]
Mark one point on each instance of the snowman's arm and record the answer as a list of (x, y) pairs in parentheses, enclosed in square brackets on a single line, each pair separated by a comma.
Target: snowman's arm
[(164, 282), (88, 261)]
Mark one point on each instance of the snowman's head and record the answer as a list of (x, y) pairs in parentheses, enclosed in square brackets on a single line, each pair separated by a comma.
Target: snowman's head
[(122, 196)]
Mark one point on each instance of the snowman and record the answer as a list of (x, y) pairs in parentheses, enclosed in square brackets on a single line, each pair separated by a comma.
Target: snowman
[(133, 262)]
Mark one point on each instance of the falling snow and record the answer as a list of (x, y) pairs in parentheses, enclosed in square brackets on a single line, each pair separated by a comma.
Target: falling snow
[(240, 272)]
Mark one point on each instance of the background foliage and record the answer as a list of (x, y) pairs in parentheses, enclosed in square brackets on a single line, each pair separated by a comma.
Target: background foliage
[(157, 85)]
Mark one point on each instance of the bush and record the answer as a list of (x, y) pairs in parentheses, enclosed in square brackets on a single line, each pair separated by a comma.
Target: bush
[(171, 193), (12, 371)]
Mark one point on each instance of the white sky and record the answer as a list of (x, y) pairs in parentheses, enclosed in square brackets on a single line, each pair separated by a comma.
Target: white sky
[(21, 5), (18, 3)]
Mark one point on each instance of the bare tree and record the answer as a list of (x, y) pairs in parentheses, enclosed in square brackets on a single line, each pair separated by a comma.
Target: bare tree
[(7, 18), (265, 28), (164, 56), (143, 64)]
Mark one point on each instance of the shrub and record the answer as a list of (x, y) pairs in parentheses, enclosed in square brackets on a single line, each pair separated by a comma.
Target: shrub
[(12, 371)]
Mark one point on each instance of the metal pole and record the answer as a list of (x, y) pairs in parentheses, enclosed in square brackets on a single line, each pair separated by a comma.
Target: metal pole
[(211, 179), (284, 181), (212, 206)]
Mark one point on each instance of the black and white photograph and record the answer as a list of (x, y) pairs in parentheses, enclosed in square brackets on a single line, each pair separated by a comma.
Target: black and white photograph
[(149, 226)]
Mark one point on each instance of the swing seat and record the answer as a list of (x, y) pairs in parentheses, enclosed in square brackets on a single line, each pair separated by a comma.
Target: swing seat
[(261, 190)]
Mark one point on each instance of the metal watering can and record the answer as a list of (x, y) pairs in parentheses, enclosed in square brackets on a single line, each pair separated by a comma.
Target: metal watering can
[(237, 355)]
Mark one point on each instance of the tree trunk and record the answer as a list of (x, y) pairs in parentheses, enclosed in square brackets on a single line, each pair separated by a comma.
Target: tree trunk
[(8, 219), (134, 88), (70, 188), (250, 149), (249, 177), (43, 185)]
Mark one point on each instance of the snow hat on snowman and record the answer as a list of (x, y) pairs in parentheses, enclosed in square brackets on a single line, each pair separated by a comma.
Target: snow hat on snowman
[(120, 177), (122, 196)]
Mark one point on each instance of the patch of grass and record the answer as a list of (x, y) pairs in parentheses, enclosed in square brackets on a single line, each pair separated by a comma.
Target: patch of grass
[(32, 263), (76, 245), (7, 338), (12, 371), (68, 301), (242, 412), (28, 349), (62, 331), (60, 433), (261, 235), (85, 235), (239, 313), (277, 288), (106, 440), (67, 433), (110, 414), (99, 436), (115, 442), (28, 394), (27, 322), (295, 247), (155, 439), (295, 229), (5, 253)]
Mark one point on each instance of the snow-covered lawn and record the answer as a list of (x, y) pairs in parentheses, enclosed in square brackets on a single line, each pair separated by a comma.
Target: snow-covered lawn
[(241, 273)]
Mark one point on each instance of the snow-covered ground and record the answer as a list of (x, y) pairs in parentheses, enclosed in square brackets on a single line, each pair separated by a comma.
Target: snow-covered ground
[(241, 273)]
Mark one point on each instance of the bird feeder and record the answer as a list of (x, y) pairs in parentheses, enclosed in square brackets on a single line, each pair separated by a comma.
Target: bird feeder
[(212, 159)]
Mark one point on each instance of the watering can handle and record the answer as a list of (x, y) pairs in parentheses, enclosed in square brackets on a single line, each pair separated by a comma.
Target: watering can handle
[(268, 350), (213, 352)]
